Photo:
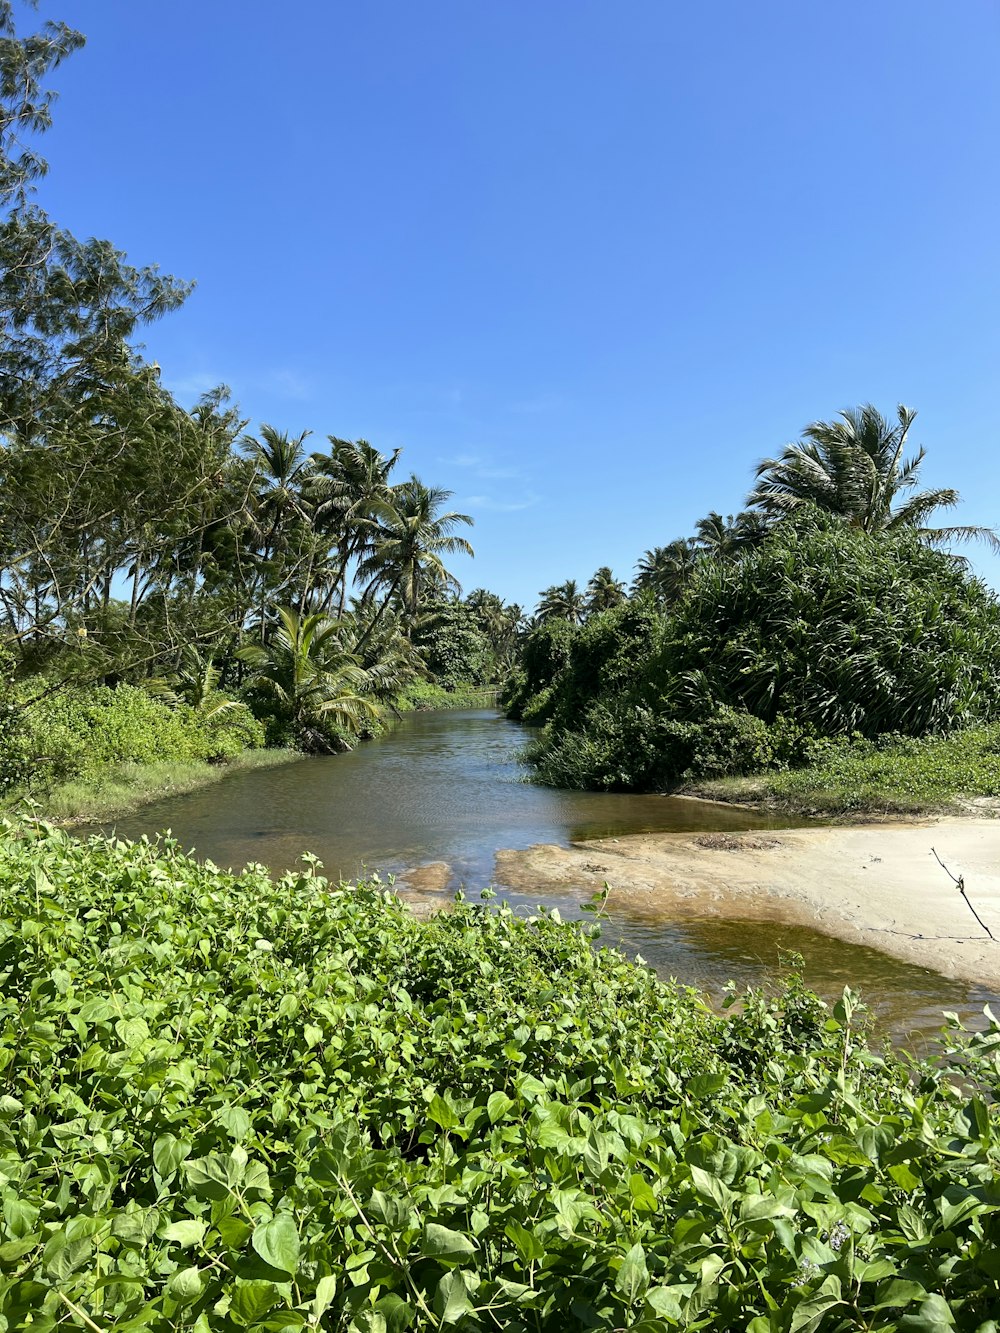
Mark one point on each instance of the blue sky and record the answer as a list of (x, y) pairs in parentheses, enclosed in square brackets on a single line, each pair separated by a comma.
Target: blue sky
[(586, 262)]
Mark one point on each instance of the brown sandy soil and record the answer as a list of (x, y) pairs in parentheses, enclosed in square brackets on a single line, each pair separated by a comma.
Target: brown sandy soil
[(878, 885)]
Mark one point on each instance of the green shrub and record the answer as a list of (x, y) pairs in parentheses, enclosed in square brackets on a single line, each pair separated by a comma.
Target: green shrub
[(232, 1104), (80, 732), (820, 630)]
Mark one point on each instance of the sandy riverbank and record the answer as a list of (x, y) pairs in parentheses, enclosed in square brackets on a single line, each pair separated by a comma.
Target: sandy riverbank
[(877, 884)]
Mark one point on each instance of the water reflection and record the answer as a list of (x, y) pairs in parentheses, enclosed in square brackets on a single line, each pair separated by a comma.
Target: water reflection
[(442, 786), (448, 787)]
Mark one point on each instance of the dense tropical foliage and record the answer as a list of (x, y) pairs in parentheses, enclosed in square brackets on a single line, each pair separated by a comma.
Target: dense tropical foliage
[(817, 629), (234, 1104)]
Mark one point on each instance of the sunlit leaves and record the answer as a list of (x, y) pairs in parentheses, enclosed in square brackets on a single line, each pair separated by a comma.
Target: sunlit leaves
[(377, 1124)]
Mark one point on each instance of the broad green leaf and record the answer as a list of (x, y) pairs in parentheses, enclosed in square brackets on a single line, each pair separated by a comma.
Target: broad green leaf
[(705, 1085), (443, 1113), (451, 1300), (277, 1243), (449, 1246), (934, 1316), (396, 1312), (669, 1301), (498, 1105), (132, 1031), (899, 1293), (185, 1287), (711, 1188), (234, 1120), (168, 1153), (808, 1314), (326, 1290), (251, 1299), (642, 1194), (527, 1244), (188, 1232), (633, 1275)]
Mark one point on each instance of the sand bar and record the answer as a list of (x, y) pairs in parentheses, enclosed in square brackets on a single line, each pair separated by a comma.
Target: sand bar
[(873, 884)]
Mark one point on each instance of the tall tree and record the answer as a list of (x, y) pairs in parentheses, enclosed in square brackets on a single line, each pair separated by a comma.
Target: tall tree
[(67, 307), (666, 570), (562, 601), (729, 536), (854, 467), (356, 496), (406, 558), (604, 591), (314, 680)]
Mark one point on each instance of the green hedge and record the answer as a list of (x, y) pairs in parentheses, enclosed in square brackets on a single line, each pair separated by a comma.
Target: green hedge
[(232, 1104)]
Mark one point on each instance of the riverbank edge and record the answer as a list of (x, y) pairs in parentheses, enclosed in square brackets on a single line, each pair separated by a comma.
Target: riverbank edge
[(833, 804), (125, 788), (879, 885)]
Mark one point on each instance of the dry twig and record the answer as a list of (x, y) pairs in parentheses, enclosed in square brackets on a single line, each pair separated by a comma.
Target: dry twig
[(960, 881)]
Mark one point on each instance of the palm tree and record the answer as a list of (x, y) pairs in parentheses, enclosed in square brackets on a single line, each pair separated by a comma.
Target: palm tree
[(502, 625), (316, 682), (405, 560), (196, 683), (729, 536), (357, 495), (563, 601), (665, 570), (854, 467), (282, 513), (604, 591)]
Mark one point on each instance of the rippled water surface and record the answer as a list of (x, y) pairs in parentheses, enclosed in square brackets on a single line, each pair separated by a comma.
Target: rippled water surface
[(447, 786)]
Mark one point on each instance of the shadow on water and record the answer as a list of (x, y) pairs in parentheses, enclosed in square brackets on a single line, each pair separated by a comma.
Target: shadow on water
[(448, 787)]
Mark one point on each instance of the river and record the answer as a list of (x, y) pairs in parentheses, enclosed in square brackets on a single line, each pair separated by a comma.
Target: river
[(449, 787)]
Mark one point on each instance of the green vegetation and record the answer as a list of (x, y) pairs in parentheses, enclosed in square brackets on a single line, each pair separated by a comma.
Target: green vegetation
[(893, 775), (233, 1104), (168, 550), (423, 695), (820, 630), (121, 788), (854, 467)]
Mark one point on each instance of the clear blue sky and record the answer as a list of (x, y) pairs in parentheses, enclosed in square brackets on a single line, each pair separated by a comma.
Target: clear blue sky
[(586, 262)]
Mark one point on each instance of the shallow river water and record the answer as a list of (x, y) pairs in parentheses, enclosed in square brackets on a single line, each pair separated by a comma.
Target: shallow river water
[(448, 786)]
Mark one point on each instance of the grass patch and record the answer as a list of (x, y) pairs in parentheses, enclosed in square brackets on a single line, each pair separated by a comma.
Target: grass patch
[(424, 695), (937, 775), (123, 788)]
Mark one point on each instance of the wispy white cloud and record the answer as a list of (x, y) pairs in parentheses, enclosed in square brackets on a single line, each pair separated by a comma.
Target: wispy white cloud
[(499, 506), (462, 460), (517, 490)]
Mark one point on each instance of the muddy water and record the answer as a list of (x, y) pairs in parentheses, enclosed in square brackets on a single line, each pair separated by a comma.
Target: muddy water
[(441, 786), (448, 787)]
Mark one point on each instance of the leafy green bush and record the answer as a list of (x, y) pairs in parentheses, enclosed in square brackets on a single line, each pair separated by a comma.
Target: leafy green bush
[(820, 630), (232, 1104), (80, 732), (545, 654), (15, 750), (421, 695), (453, 646)]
